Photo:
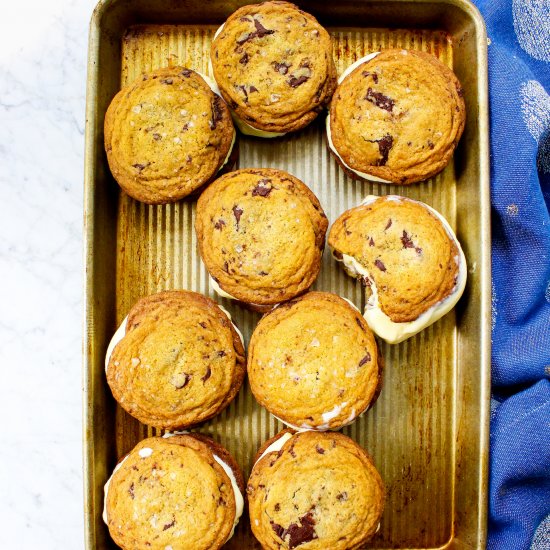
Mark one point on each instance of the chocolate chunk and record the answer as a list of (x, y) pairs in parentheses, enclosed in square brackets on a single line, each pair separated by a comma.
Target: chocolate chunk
[(185, 127), (263, 273), (207, 375), (379, 264), (202, 324), (418, 250), (168, 525), (221, 353), (261, 30), (371, 242), (219, 224), (262, 189), (358, 321), (277, 507), (459, 90), (320, 450), (186, 73), (243, 89), (252, 89), (380, 100), (342, 496), (384, 146), (225, 267), (430, 144), (244, 59), (298, 533), (156, 137), (131, 491), (167, 81), (365, 359), (365, 280), (337, 255), (406, 240), (237, 212), (374, 76), (140, 167), (281, 68), (294, 82), (388, 225), (217, 111)]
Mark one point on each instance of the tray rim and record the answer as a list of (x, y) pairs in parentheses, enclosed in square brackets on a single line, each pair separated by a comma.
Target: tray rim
[(89, 208)]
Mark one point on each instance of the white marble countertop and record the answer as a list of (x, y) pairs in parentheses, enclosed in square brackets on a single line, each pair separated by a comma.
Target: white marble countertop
[(42, 96)]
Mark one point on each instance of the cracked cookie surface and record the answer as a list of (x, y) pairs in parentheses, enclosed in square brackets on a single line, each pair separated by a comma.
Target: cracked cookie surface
[(261, 234), (180, 362), (273, 63), (172, 493), (313, 362), (398, 116), (321, 490), (166, 135)]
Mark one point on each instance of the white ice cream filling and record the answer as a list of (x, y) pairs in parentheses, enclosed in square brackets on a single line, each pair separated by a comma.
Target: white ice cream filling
[(239, 500), (243, 126), (276, 446), (348, 71), (377, 320)]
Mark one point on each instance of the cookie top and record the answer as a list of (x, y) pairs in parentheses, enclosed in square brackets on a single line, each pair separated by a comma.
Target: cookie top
[(273, 63), (397, 116), (261, 234), (179, 361), (313, 362), (180, 492), (167, 134), (321, 490), (407, 256)]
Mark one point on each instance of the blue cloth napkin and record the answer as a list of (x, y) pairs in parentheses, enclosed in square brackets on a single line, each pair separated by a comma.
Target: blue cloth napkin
[(519, 77)]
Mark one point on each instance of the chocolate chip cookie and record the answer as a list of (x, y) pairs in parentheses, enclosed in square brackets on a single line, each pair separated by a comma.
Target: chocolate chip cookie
[(396, 117), (408, 257), (313, 362), (180, 492), (273, 63), (261, 235), (176, 360), (166, 135), (316, 489)]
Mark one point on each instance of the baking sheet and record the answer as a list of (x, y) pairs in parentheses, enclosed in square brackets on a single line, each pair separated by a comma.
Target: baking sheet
[(428, 430)]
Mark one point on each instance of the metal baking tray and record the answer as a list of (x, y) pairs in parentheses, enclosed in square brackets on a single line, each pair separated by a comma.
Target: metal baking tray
[(428, 432)]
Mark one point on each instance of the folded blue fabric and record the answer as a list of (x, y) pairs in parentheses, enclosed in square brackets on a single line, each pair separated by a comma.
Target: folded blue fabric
[(519, 77)]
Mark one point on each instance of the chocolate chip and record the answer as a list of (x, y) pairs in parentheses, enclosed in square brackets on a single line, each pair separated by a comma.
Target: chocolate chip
[(202, 324), (131, 491), (207, 375), (337, 255), (244, 59), (374, 76), (237, 212), (294, 82), (342, 496), (406, 240), (418, 250), (219, 224), (221, 353), (262, 189), (430, 144), (459, 90), (365, 359), (168, 525), (261, 30), (263, 273), (217, 111), (358, 321), (252, 89), (167, 81), (379, 264), (320, 450), (243, 89), (225, 267), (380, 100), (157, 137), (371, 242), (297, 533), (140, 167), (186, 73), (388, 225), (281, 68), (384, 146), (185, 127), (277, 507)]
